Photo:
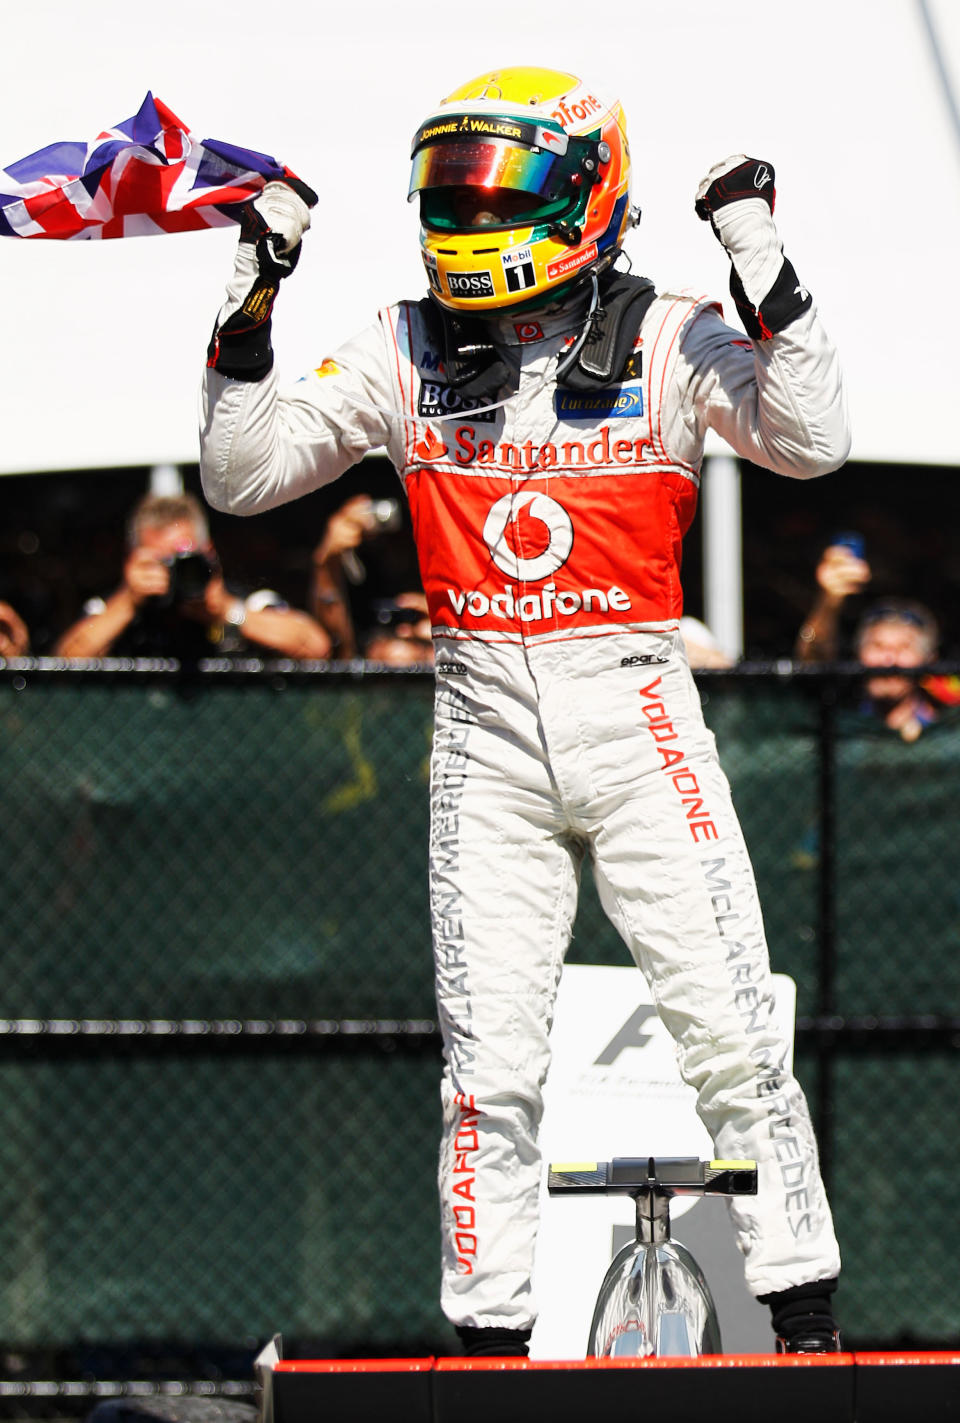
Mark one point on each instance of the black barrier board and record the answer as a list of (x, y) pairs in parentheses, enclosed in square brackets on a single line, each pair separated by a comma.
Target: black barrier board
[(750, 1389), (892, 1387), (753, 1391), (363, 1391)]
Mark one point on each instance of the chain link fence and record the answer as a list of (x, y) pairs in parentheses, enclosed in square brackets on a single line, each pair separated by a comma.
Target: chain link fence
[(219, 1070)]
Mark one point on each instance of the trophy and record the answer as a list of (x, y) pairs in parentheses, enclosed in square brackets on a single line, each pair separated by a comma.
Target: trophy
[(654, 1299)]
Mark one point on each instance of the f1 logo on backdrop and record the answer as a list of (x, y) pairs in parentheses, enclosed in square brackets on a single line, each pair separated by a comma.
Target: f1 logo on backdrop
[(531, 521), (632, 1034)]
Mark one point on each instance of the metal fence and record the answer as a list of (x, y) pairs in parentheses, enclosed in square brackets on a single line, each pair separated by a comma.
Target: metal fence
[(218, 1060)]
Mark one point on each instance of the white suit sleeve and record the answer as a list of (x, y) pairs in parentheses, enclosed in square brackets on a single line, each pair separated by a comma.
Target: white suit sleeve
[(777, 402), (262, 444)]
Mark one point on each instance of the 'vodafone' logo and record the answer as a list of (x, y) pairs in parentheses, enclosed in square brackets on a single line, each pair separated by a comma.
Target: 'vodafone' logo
[(507, 516)]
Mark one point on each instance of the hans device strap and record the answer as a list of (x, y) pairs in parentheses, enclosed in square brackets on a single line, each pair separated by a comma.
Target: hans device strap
[(474, 366)]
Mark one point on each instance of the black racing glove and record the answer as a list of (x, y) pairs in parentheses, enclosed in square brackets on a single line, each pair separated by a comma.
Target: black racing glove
[(271, 227), (737, 198)]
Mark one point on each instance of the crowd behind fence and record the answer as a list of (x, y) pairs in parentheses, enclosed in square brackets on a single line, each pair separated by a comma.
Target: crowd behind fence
[(219, 1109)]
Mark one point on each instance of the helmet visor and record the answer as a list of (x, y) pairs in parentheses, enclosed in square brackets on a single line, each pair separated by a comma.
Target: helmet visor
[(542, 185)]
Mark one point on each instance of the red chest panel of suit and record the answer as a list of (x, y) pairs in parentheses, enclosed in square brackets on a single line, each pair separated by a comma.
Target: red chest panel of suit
[(512, 552)]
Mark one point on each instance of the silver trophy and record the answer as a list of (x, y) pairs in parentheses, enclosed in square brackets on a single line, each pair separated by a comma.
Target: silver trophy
[(654, 1299)]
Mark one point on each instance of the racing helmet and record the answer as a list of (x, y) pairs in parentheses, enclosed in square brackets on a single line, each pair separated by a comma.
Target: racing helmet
[(523, 177)]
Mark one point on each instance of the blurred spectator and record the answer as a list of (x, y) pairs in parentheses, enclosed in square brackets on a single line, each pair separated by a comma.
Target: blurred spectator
[(398, 631), (329, 598), (892, 632), (14, 638), (173, 600), (702, 648), (401, 635), (841, 572)]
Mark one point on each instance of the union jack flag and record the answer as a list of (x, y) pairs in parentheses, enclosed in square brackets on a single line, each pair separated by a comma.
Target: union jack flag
[(148, 175)]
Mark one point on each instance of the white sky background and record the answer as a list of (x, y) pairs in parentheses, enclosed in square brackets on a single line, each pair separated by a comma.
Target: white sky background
[(103, 343)]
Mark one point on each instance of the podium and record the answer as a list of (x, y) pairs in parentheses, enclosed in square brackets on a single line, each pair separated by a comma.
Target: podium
[(791, 1388)]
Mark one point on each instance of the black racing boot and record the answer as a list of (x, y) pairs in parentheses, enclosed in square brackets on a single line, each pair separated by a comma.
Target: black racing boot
[(803, 1319), (493, 1342)]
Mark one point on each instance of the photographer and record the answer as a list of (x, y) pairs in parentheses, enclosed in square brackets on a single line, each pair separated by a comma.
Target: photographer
[(401, 635), (173, 602), (395, 630)]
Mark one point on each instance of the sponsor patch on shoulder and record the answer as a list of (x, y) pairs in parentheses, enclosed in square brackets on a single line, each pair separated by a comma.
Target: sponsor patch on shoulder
[(327, 368), (625, 402)]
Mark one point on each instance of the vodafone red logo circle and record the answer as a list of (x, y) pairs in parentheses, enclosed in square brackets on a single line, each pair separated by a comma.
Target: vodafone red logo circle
[(528, 330), (503, 533)]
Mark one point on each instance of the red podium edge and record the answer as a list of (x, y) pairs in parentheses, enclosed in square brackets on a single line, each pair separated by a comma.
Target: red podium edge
[(704, 1361)]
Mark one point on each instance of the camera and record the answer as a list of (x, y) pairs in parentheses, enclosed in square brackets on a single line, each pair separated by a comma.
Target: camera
[(385, 516), (382, 516), (390, 615), (190, 572)]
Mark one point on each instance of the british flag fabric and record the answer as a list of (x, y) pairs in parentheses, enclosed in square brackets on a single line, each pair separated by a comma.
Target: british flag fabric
[(147, 175)]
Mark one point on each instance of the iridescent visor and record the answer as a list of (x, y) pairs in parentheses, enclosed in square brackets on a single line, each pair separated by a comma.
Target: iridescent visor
[(491, 163)]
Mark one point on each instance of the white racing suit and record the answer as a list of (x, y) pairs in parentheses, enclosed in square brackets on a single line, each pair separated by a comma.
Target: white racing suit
[(567, 723)]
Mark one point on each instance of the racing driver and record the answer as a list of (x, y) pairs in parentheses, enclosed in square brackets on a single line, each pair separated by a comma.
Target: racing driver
[(546, 410)]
